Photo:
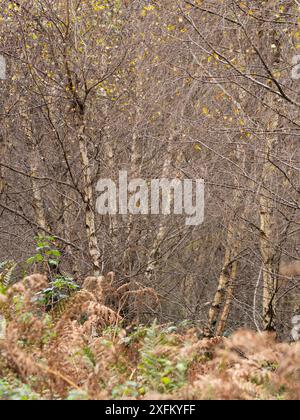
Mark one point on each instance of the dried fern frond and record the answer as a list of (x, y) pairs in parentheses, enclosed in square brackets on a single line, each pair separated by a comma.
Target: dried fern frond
[(7, 269)]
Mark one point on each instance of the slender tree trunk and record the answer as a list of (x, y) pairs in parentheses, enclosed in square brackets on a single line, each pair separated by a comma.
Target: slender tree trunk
[(225, 288), (109, 156), (132, 238), (69, 222), (153, 258), (222, 302), (228, 302), (80, 125), (34, 159), (267, 204), (2, 154), (39, 205), (94, 251), (266, 237), (234, 244), (153, 261)]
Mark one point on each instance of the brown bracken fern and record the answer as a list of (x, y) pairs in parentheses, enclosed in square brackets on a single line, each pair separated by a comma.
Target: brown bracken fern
[(85, 351)]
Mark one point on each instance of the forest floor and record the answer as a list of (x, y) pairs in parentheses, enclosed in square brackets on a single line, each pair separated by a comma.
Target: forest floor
[(84, 352)]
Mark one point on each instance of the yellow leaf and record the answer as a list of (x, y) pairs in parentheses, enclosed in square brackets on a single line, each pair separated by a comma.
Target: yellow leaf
[(149, 8), (171, 27)]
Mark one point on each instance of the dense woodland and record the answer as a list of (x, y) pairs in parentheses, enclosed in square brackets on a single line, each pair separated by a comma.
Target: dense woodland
[(136, 306)]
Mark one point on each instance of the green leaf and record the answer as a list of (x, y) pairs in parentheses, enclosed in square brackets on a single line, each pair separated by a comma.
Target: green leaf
[(54, 253), (39, 258), (54, 263), (166, 380), (31, 260)]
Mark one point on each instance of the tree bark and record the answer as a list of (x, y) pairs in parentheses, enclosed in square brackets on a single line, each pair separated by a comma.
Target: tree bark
[(94, 251), (225, 287), (266, 238), (39, 205), (32, 139), (2, 154), (228, 302)]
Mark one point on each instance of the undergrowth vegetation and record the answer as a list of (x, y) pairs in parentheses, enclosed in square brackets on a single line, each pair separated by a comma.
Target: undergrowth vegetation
[(83, 350)]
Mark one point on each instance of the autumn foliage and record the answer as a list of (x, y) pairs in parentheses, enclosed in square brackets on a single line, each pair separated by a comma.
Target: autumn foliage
[(159, 90), (88, 353)]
